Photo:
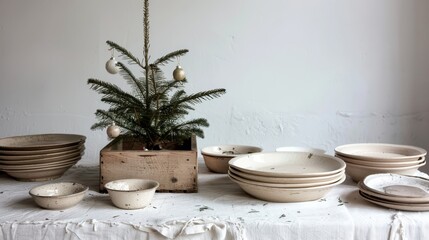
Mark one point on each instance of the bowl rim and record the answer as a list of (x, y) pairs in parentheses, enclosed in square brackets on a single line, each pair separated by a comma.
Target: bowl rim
[(134, 190), (386, 168), (83, 191), (204, 151)]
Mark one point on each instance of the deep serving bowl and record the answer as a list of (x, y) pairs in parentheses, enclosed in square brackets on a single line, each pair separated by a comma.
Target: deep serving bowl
[(57, 196), (216, 158), (131, 193)]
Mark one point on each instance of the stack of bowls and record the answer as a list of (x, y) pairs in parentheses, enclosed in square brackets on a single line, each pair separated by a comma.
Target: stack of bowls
[(363, 159), (287, 176), (396, 191), (40, 157)]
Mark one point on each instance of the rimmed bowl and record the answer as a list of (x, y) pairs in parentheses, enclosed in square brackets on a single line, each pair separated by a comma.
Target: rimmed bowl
[(359, 172), (381, 152), (131, 193), (375, 163), (56, 196), (216, 158)]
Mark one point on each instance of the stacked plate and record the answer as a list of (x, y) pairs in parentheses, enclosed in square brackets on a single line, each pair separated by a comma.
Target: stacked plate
[(409, 193), (286, 176), (363, 159), (40, 157)]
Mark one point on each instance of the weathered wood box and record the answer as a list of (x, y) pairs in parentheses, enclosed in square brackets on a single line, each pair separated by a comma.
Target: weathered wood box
[(175, 170)]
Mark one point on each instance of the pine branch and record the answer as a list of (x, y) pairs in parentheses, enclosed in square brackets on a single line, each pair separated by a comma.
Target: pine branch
[(124, 52), (109, 89), (170, 57), (199, 97), (132, 80)]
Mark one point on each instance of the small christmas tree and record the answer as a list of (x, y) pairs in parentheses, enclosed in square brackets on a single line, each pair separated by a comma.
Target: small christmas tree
[(155, 110)]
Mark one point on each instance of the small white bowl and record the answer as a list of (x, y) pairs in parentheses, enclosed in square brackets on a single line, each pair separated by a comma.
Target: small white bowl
[(131, 193), (58, 196), (216, 158), (300, 149)]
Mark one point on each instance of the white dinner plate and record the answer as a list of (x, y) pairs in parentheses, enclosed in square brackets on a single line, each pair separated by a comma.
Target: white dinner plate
[(397, 185), (363, 189), (285, 180), (288, 164), (380, 151), (405, 207)]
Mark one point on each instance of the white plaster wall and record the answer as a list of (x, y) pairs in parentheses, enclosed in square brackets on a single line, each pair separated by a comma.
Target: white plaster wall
[(302, 73)]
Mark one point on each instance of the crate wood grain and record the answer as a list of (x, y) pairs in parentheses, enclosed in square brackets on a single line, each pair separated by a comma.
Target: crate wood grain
[(175, 170)]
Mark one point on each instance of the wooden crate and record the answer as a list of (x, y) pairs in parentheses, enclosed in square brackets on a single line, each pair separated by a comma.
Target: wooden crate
[(175, 170)]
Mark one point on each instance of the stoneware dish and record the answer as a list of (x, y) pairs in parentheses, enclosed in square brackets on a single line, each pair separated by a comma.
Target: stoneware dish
[(40, 141), (407, 200), (358, 172), (416, 207), (300, 149), (283, 180), (375, 163), (286, 194), (56, 196), (397, 185), (131, 193), (39, 175), (40, 152), (288, 164), (380, 152), (216, 158)]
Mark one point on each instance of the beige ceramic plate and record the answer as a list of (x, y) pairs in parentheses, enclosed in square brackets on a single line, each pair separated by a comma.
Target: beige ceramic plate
[(38, 175), (40, 152), (42, 166), (380, 151), (229, 150), (286, 194), (397, 185), (358, 172), (416, 207), (376, 163), (40, 141), (288, 164), (283, 180), (57, 196), (407, 200), (6, 159), (286, 185), (59, 159), (300, 149)]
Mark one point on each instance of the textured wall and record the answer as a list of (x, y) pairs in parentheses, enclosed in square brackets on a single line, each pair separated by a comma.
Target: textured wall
[(306, 73)]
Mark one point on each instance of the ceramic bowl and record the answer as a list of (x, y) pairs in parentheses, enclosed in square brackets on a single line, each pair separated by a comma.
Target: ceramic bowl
[(273, 194), (58, 196), (131, 193), (375, 163), (359, 172), (300, 149), (39, 174), (216, 158), (381, 152)]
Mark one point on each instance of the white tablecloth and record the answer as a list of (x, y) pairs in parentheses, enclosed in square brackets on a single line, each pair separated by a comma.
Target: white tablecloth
[(220, 210)]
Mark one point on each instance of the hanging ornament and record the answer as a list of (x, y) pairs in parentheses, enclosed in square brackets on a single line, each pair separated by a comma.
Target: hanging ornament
[(113, 131), (111, 64), (179, 73)]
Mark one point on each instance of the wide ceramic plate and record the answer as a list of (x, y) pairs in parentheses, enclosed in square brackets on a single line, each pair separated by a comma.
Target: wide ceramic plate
[(397, 185), (288, 164), (408, 200), (405, 207), (40, 152), (286, 194), (380, 151), (13, 159), (286, 185), (60, 158), (300, 149), (284, 180), (40, 141), (229, 150), (37, 175), (72, 159), (358, 172), (376, 163)]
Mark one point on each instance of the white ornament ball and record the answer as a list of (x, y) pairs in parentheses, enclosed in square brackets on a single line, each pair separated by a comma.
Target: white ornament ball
[(111, 66), (179, 74), (113, 131)]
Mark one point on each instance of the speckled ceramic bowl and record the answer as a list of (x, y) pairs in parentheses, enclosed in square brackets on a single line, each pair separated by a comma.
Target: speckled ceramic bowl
[(58, 196), (216, 158), (131, 193)]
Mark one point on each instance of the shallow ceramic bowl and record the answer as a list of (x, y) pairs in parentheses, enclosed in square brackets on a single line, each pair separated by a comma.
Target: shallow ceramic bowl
[(57, 196), (359, 172), (375, 163), (273, 194), (216, 158), (381, 152), (300, 149), (131, 193), (39, 174)]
